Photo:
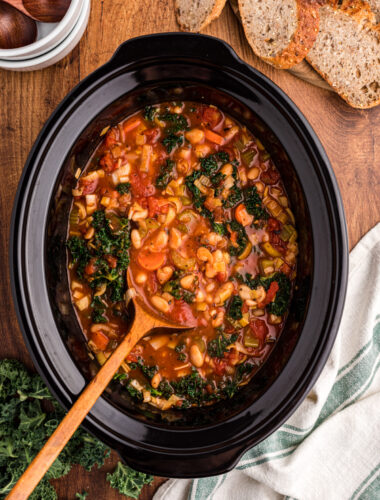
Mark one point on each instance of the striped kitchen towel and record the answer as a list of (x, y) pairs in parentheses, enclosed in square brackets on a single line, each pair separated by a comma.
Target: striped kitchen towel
[(330, 448)]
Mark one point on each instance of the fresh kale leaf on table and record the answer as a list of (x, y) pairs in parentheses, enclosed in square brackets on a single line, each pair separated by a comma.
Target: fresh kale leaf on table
[(128, 481), (26, 421)]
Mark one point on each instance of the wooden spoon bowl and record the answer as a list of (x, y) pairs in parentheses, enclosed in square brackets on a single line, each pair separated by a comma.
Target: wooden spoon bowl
[(143, 324), (16, 30), (46, 11)]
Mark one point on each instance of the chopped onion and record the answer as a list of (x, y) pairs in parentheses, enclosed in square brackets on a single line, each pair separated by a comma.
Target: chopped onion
[(129, 295)]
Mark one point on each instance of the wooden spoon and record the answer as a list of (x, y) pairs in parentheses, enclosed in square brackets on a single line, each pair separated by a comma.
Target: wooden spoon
[(143, 324), (16, 30), (46, 11)]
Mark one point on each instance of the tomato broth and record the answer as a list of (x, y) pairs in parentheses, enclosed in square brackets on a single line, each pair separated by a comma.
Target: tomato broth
[(191, 203)]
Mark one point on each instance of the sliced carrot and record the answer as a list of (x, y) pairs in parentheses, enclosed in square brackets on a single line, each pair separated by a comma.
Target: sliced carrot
[(100, 339), (151, 260), (131, 124), (242, 216), (213, 137)]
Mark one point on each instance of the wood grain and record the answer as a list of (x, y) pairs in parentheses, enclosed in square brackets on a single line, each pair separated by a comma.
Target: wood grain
[(351, 139)]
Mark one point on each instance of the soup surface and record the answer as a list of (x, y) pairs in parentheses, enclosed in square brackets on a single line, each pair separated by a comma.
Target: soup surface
[(191, 203)]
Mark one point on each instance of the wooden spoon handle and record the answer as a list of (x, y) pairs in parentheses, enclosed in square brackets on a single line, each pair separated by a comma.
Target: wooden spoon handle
[(57, 441), (19, 5)]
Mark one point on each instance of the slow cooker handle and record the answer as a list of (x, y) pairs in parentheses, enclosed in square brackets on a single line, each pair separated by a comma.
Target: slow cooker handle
[(182, 466), (182, 46)]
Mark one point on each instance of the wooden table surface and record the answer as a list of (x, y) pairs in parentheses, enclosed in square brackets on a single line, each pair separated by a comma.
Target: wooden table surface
[(350, 137)]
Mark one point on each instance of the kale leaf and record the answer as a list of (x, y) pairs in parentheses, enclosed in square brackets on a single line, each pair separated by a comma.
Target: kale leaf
[(191, 387), (25, 426), (280, 303), (253, 203), (98, 310), (128, 481), (123, 187), (174, 288), (217, 347), (234, 309), (211, 163), (81, 496), (177, 122), (110, 242), (79, 253), (171, 141), (241, 239), (165, 175), (149, 112)]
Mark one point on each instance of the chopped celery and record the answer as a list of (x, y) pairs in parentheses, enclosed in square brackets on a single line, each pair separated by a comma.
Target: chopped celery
[(182, 263)]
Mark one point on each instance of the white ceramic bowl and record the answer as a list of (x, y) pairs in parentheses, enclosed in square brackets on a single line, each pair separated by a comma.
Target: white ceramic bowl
[(49, 35), (57, 52)]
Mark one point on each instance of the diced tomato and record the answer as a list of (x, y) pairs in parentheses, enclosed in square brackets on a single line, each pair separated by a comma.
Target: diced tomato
[(220, 366), (270, 176), (182, 314), (108, 163), (100, 339), (277, 242), (211, 116), (112, 261), (152, 284), (259, 328), (141, 185), (271, 294), (133, 356), (161, 153), (221, 277), (157, 206), (245, 308), (152, 135), (230, 329), (110, 138), (273, 224), (286, 269), (91, 267), (272, 290)]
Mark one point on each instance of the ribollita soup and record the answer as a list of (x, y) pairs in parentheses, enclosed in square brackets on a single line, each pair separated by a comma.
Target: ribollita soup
[(190, 202)]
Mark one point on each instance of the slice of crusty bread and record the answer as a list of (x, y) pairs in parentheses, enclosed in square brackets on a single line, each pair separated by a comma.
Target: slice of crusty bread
[(280, 31), (375, 7), (347, 51), (194, 15)]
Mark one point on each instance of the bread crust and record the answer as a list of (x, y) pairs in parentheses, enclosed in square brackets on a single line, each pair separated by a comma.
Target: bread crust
[(361, 12), (214, 14), (302, 40)]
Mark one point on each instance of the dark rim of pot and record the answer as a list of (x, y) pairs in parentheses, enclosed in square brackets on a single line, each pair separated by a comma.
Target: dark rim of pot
[(222, 454)]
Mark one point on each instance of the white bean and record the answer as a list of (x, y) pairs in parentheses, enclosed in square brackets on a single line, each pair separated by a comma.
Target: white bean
[(136, 238), (196, 357), (164, 274), (160, 303)]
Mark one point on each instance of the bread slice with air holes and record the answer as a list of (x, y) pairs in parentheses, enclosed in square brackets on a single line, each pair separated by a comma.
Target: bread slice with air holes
[(375, 7), (346, 52), (194, 15), (280, 31)]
